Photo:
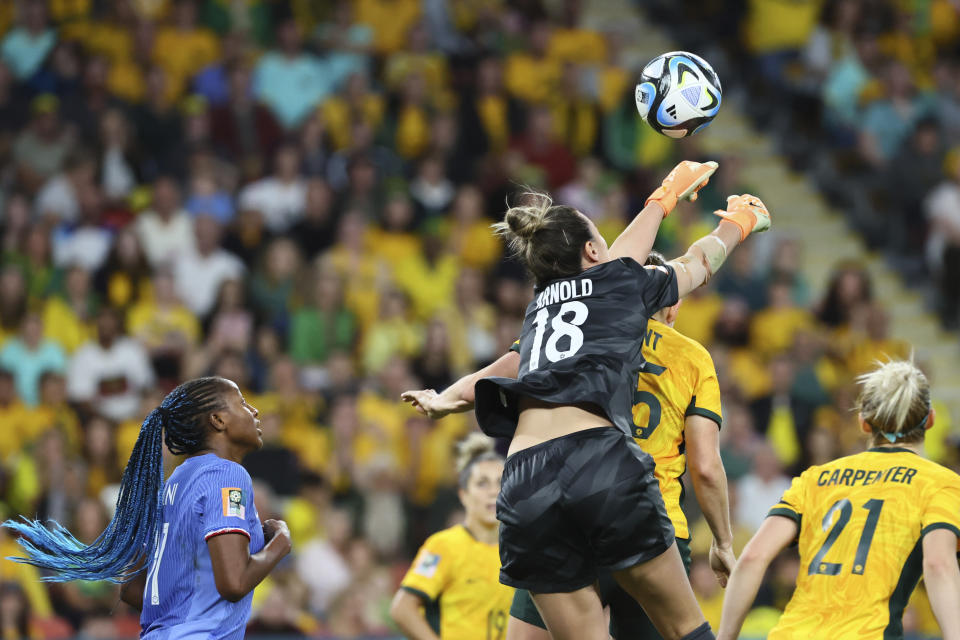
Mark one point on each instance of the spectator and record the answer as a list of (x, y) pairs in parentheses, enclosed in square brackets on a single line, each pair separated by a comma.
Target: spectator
[(41, 149), (231, 325), (159, 126), (431, 190), (290, 82), (469, 234), (355, 102), (942, 207), (273, 284), (315, 231), (242, 127), (125, 276), (166, 230), (347, 41), (165, 326), (781, 415), (760, 488), (199, 273), (740, 280), (118, 164), (26, 46), (108, 374), (207, 199), (888, 122), (326, 549), (183, 48), (280, 197), (773, 329), (391, 21), (100, 455), (87, 243), (849, 287), (323, 325), (30, 356), (68, 318), (539, 148), (13, 300), (58, 199), (273, 463)]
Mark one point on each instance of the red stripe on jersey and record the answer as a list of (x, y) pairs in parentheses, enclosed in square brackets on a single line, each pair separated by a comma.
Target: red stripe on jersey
[(226, 530)]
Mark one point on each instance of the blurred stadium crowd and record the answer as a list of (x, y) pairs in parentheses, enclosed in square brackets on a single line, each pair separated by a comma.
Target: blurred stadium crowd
[(296, 196)]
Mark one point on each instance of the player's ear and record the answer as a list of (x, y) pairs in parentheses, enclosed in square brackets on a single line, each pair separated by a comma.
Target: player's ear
[(591, 251), (930, 419), (217, 422), (864, 426), (672, 313)]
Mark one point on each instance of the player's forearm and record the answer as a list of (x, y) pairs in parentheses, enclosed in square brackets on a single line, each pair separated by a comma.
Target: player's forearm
[(461, 393), (741, 592), (259, 567), (637, 239), (705, 257), (942, 580), (710, 485), (405, 611)]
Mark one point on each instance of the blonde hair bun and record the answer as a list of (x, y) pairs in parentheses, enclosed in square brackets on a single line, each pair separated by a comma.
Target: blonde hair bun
[(895, 397), (474, 446)]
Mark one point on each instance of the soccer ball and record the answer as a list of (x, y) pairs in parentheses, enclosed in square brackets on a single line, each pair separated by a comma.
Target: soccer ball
[(678, 94)]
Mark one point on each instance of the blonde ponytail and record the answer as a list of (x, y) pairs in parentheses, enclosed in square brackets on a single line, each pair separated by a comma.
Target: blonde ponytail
[(895, 401)]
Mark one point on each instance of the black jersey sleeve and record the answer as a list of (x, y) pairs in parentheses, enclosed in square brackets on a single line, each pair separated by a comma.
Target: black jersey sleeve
[(515, 346), (659, 288)]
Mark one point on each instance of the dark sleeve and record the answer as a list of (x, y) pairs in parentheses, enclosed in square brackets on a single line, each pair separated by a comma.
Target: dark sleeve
[(515, 346), (658, 285)]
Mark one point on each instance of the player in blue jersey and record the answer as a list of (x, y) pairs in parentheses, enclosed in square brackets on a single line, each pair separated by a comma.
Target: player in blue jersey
[(191, 550)]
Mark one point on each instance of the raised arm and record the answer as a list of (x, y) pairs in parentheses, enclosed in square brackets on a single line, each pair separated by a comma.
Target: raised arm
[(458, 397), (771, 538), (744, 215), (941, 575), (686, 179), (710, 484)]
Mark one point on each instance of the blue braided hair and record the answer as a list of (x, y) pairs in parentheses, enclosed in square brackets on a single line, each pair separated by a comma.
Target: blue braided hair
[(117, 553)]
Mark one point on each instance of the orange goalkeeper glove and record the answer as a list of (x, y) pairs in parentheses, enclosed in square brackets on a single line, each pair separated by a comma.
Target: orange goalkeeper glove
[(747, 212), (686, 179)]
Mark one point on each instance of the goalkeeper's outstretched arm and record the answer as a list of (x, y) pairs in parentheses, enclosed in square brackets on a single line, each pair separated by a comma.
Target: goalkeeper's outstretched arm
[(458, 397), (744, 215)]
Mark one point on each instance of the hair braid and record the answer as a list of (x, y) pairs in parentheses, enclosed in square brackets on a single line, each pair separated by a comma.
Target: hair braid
[(116, 554)]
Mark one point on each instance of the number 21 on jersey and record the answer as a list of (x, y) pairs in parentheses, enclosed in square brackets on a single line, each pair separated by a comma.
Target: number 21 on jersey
[(566, 324)]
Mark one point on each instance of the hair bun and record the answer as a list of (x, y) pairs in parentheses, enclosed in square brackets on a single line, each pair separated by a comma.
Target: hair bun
[(472, 447)]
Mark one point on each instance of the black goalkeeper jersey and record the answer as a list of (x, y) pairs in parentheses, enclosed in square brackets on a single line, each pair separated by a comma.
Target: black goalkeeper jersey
[(581, 343)]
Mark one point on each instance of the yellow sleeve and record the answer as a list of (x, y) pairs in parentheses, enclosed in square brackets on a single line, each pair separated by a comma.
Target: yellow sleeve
[(706, 397), (791, 503), (429, 573), (943, 510)]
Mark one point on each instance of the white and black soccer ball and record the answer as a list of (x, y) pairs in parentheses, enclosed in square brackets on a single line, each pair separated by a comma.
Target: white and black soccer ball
[(678, 94)]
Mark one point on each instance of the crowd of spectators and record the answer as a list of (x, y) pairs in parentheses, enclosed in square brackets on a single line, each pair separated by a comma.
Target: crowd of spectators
[(865, 96), (297, 196)]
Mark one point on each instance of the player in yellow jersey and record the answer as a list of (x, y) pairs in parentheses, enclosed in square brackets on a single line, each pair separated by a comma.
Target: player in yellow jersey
[(452, 591), (867, 526), (677, 417)]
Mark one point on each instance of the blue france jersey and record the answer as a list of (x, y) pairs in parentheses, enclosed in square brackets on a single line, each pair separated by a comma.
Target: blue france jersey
[(204, 497)]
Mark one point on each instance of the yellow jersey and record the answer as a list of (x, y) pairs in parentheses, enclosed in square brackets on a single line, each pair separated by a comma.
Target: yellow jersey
[(678, 380), (862, 519), (458, 577)]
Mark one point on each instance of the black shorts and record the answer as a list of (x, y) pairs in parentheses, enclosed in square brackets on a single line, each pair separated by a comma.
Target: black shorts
[(575, 505), (628, 620)]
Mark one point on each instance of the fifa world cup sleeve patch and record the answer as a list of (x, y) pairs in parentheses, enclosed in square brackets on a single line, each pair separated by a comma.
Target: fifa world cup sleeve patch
[(233, 502), (427, 565)]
